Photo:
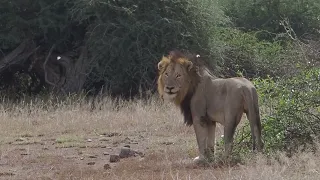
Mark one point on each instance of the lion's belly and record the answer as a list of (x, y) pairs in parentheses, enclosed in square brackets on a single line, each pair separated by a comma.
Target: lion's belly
[(217, 116)]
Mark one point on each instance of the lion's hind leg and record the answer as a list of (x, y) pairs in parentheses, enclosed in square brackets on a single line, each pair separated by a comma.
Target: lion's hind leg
[(231, 122)]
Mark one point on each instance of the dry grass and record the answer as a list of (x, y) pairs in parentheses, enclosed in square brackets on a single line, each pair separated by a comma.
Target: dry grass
[(50, 141)]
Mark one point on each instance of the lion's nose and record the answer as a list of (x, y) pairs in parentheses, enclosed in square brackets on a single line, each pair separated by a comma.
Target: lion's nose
[(170, 88)]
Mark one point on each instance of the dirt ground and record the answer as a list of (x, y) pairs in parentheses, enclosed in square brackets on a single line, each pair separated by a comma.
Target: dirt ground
[(68, 141), (50, 157)]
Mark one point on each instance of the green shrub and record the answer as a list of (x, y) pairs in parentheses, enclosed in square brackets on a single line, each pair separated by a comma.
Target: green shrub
[(290, 113), (265, 16), (244, 52)]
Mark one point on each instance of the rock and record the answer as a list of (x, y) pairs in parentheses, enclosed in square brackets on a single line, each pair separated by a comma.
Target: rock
[(91, 163), (126, 152), (111, 134), (89, 140), (107, 166), (105, 153), (103, 146), (168, 143), (82, 158), (104, 139), (92, 156), (127, 146), (20, 139), (114, 158)]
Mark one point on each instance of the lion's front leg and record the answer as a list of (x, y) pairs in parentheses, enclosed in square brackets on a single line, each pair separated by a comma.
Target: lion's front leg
[(201, 132), (211, 139)]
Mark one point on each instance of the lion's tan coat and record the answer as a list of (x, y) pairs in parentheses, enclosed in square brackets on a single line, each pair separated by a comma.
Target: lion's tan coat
[(205, 100)]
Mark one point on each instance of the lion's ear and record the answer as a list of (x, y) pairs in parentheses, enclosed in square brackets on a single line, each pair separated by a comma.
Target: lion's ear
[(160, 65), (163, 62), (189, 65)]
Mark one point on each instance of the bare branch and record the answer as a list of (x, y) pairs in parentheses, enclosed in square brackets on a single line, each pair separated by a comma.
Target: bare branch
[(44, 66)]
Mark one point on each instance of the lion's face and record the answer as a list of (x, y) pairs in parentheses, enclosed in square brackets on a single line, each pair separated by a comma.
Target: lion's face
[(173, 78)]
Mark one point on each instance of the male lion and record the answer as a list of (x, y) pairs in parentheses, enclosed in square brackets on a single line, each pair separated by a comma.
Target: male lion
[(204, 100)]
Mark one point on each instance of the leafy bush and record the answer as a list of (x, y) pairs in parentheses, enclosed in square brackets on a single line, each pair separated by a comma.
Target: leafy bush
[(244, 52), (265, 16), (290, 113), (127, 38), (45, 21)]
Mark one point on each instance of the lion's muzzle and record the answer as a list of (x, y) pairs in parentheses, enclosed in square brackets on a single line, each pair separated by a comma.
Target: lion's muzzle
[(170, 92)]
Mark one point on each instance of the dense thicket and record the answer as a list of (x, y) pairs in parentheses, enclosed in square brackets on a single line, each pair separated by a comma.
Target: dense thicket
[(70, 46), (110, 43)]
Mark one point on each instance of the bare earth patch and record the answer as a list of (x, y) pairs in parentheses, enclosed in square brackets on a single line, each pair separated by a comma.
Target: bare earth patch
[(68, 141)]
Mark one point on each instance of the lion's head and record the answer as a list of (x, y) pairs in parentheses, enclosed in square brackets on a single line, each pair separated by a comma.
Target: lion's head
[(177, 77)]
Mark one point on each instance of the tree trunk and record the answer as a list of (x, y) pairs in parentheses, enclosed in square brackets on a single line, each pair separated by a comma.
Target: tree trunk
[(61, 73)]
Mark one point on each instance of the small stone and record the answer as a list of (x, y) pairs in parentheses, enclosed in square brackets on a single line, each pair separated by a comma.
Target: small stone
[(91, 163), (20, 139), (92, 156), (104, 139), (114, 158), (24, 154), (107, 166), (127, 146), (103, 146), (105, 153), (126, 152), (168, 143), (89, 140), (113, 134), (71, 157), (82, 158), (83, 146)]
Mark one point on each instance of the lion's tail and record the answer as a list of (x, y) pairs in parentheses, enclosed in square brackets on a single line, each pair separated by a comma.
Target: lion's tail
[(253, 115)]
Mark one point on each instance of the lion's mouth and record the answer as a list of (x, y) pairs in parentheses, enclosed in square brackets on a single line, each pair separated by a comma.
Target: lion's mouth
[(171, 93)]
